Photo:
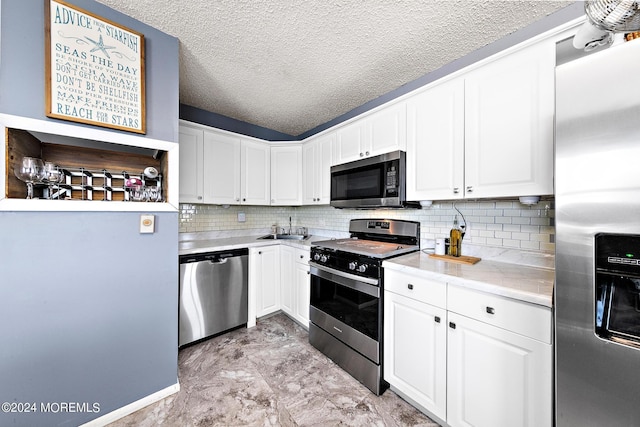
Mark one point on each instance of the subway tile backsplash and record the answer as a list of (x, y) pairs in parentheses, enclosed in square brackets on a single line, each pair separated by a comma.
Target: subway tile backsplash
[(494, 223)]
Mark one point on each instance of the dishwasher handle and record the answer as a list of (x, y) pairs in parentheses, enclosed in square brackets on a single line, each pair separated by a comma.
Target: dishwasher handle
[(219, 257)]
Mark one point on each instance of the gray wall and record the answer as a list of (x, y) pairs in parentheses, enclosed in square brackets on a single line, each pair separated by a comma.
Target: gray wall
[(88, 311), (88, 306), (22, 85)]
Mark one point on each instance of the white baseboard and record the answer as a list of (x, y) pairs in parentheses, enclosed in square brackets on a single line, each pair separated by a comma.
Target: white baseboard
[(133, 407)]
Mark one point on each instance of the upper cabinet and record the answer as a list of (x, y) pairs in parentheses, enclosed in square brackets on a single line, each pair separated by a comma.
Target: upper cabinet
[(191, 162), (286, 175), (221, 168), (509, 119), (435, 143), (377, 133), (488, 133), (317, 157)]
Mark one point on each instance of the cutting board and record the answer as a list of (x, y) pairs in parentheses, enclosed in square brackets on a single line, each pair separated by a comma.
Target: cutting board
[(469, 260)]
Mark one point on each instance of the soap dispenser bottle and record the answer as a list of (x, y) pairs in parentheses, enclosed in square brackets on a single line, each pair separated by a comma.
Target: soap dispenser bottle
[(455, 239)]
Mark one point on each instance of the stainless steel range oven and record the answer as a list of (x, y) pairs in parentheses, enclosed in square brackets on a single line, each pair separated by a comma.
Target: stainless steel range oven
[(346, 294)]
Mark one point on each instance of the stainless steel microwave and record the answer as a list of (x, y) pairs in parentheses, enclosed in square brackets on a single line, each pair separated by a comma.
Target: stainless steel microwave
[(374, 182)]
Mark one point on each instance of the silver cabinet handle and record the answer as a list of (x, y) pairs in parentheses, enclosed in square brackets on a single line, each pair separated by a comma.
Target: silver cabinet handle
[(410, 286), (491, 310), (452, 325), (361, 154), (456, 190), (244, 199), (469, 189), (199, 197), (366, 153), (237, 199), (301, 256), (437, 319)]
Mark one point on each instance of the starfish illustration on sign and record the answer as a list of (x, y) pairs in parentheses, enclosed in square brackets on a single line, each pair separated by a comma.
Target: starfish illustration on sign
[(99, 45)]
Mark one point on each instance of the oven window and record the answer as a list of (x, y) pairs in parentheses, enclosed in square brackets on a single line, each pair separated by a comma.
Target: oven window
[(366, 182), (356, 309)]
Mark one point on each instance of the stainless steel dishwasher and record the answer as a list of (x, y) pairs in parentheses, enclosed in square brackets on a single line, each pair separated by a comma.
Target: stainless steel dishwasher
[(213, 294)]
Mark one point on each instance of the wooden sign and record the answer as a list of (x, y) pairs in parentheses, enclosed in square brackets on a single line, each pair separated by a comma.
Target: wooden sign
[(94, 69)]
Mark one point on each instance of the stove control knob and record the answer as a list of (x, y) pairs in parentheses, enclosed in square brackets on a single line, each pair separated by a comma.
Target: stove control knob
[(316, 257), (324, 258), (362, 268), (352, 265)]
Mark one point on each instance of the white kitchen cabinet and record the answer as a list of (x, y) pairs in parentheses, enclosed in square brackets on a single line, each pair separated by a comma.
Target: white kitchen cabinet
[(415, 351), (466, 357), (191, 165), (509, 121), (286, 175), (222, 171), (487, 133), (264, 279), (295, 283), (302, 284), (435, 143), (222, 168), (376, 133), (496, 378), (255, 171), (317, 157)]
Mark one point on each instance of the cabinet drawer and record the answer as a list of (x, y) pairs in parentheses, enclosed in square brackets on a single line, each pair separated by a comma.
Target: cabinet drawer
[(520, 317), (416, 287), (302, 255)]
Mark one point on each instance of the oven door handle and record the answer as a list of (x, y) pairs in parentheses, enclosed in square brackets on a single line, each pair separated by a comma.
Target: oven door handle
[(362, 284)]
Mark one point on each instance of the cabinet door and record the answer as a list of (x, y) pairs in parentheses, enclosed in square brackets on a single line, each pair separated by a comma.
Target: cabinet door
[(309, 173), (387, 130), (255, 173), (287, 279), (317, 159), (190, 146), (435, 143), (286, 175), (221, 169), (415, 351), (496, 377), (302, 292), (509, 114), (350, 140), (266, 279)]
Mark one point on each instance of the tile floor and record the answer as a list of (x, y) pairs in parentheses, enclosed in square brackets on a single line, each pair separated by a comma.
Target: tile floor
[(269, 376)]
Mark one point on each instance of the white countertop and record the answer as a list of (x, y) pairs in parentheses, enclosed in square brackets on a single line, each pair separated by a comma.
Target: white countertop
[(529, 284), (187, 247)]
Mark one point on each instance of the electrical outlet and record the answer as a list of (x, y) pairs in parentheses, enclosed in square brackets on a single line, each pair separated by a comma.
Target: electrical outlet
[(242, 217)]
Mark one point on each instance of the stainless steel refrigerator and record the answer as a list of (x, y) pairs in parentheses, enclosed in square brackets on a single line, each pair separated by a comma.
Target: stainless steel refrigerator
[(597, 301)]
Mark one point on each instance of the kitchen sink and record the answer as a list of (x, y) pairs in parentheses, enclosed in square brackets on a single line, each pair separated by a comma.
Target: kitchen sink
[(284, 237)]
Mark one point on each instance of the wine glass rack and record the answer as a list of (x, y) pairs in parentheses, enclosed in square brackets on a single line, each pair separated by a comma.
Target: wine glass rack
[(87, 184)]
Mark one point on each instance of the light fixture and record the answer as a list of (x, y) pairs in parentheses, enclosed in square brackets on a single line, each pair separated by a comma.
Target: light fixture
[(529, 200), (426, 203)]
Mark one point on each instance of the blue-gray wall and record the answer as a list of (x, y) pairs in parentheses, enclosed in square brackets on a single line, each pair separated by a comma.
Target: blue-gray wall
[(88, 312), (88, 306), (22, 84)]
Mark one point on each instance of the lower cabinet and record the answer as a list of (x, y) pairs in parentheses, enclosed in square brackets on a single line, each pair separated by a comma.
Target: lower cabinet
[(415, 351), (264, 280), (470, 358), (295, 283)]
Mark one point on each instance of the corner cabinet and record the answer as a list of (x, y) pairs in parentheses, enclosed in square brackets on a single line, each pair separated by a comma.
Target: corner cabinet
[(465, 357), (317, 158), (377, 133), (286, 175), (486, 133)]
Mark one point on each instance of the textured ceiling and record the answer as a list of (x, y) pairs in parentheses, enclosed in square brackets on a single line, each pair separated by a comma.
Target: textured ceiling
[(291, 65)]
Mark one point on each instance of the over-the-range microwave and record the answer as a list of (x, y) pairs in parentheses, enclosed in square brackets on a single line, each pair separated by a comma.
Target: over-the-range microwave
[(373, 182)]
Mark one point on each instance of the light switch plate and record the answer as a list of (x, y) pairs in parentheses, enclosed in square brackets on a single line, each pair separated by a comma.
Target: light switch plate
[(147, 223)]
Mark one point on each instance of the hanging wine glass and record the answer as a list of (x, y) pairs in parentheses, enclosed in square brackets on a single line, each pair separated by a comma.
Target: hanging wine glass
[(30, 170), (52, 176)]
